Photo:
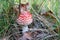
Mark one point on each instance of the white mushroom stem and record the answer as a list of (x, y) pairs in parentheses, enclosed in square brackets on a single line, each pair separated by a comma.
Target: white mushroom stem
[(25, 29)]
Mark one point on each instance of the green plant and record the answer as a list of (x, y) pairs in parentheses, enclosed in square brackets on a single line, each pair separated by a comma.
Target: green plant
[(6, 15)]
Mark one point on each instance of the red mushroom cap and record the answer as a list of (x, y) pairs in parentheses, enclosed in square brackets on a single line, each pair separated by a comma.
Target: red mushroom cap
[(25, 18)]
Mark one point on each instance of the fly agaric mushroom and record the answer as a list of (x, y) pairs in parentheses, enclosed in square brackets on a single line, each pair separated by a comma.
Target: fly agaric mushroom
[(25, 17)]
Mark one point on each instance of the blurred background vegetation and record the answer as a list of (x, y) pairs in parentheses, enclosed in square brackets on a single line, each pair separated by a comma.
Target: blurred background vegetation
[(38, 7)]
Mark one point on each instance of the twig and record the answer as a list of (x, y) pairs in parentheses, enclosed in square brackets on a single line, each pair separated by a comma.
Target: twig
[(34, 29), (51, 36)]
